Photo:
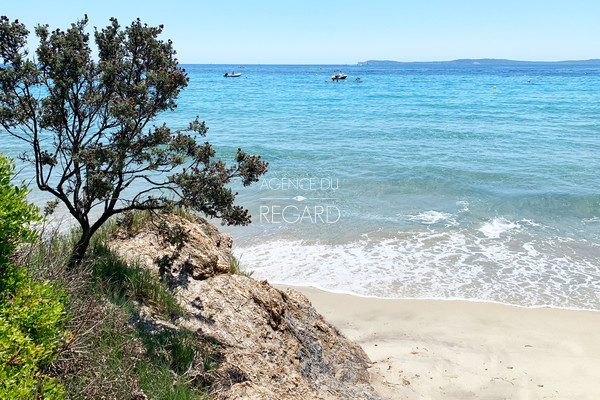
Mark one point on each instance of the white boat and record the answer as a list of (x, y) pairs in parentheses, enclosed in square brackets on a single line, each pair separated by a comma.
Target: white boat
[(232, 74), (338, 76)]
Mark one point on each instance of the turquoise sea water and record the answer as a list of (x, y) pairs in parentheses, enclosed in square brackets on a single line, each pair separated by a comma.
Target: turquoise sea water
[(423, 181)]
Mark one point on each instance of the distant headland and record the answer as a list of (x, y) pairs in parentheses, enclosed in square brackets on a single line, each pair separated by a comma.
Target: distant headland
[(482, 61)]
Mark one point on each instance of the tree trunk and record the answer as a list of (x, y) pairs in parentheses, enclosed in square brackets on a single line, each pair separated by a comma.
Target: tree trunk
[(80, 248)]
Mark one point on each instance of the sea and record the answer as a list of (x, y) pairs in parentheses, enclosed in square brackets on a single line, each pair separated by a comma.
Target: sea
[(419, 181)]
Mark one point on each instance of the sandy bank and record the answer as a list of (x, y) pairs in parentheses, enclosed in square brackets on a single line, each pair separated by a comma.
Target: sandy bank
[(463, 350)]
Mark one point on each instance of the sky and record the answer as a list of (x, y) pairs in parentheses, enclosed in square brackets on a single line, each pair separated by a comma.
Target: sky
[(344, 32)]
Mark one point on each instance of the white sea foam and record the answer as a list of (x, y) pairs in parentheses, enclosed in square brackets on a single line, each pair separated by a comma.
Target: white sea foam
[(464, 204), (433, 217), (440, 265), (494, 228)]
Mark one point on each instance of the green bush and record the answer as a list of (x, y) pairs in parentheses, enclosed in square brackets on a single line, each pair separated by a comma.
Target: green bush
[(16, 214), (30, 331), (30, 312)]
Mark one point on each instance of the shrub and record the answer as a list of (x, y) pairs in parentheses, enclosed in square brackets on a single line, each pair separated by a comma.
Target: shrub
[(30, 311), (30, 331), (16, 214)]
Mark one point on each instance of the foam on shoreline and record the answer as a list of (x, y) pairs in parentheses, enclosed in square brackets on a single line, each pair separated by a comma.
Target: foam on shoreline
[(499, 263)]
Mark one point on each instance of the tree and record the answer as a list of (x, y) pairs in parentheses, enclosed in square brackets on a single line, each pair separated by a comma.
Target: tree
[(90, 126)]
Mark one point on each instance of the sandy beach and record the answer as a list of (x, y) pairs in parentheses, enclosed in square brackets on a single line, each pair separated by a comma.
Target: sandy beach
[(425, 349)]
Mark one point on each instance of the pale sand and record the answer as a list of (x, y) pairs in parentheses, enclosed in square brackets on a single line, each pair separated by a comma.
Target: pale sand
[(426, 349)]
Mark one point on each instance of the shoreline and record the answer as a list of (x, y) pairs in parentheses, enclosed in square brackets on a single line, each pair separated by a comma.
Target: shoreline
[(311, 287), (466, 349)]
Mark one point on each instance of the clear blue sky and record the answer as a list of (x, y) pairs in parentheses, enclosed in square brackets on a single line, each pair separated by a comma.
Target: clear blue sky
[(345, 32)]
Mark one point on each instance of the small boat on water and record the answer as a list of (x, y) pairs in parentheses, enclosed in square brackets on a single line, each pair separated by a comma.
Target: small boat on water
[(338, 75), (232, 74)]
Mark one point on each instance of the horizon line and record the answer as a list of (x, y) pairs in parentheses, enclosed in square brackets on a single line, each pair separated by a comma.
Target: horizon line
[(401, 62)]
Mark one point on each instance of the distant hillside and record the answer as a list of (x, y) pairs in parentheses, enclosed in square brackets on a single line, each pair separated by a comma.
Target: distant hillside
[(483, 61)]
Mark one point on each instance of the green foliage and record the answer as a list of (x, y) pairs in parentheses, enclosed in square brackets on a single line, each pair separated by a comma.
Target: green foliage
[(98, 112), (30, 331), (16, 214), (31, 312)]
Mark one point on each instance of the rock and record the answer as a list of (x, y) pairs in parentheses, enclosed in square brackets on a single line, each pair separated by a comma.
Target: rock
[(277, 339), (274, 344), (203, 252)]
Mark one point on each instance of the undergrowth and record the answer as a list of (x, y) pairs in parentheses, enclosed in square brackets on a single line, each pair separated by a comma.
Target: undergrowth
[(112, 353), (80, 333)]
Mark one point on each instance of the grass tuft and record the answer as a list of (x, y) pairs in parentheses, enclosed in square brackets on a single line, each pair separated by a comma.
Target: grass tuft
[(235, 267)]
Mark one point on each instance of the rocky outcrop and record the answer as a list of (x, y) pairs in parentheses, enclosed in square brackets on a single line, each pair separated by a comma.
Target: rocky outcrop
[(274, 344), (190, 243), (282, 346)]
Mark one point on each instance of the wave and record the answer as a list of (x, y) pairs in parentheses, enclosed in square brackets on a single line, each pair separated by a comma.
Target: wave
[(508, 264)]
